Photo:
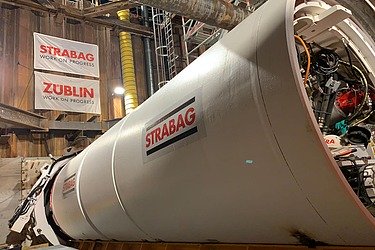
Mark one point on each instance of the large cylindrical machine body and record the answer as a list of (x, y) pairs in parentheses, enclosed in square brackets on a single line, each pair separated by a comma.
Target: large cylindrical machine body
[(227, 151)]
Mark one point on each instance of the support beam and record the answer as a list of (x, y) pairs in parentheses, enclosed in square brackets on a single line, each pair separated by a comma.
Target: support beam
[(76, 14), (48, 3), (122, 25), (107, 8), (14, 117), (73, 126), (217, 13), (25, 4)]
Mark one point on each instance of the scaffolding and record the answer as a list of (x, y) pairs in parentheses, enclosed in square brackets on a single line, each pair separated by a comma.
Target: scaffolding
[(198, 34)]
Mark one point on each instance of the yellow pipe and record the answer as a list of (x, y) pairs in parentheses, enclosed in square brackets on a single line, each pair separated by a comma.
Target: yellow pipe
[(127, 62)]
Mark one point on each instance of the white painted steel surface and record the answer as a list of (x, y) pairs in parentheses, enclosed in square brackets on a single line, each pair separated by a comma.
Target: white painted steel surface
[(258, 170)]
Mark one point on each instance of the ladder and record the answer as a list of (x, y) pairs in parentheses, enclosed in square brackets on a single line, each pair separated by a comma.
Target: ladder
[(164, 46), (172, 72)]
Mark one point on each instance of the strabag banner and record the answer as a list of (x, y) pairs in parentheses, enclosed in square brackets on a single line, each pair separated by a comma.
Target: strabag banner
[(62, 55), (63, 93)]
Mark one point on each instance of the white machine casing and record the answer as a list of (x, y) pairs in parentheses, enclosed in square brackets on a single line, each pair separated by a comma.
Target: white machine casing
[(248, 163)]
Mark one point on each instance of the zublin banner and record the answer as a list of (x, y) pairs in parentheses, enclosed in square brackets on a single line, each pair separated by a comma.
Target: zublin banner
[(63, 93)]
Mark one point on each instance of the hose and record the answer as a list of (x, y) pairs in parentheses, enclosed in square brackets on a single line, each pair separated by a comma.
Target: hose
[(349, 57), (362, 120), (308, 58)]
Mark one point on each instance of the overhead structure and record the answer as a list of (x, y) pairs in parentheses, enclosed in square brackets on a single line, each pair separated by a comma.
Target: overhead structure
[(199, 35), (86, 15), (219, 13), (106, 8)]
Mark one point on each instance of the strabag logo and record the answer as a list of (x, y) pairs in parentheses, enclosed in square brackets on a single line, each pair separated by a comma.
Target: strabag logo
[(63, 55), (176, 128), (69, 185), (167, 130), (61, 52)]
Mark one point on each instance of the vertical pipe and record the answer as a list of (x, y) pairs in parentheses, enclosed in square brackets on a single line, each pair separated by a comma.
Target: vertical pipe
[(148, 53), (127, 64)]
